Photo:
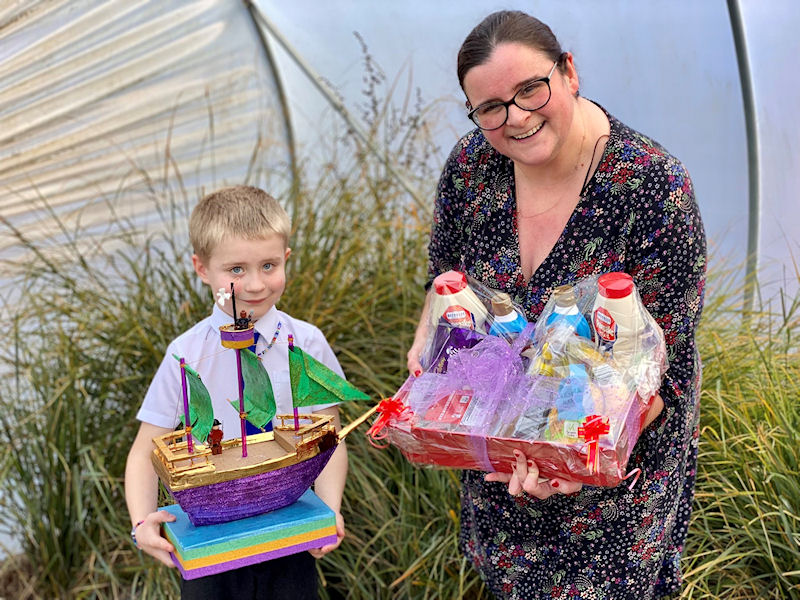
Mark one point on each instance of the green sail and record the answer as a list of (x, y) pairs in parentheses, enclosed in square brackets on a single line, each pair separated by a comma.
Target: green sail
[(314, 383), (259, 399), (201, 413)]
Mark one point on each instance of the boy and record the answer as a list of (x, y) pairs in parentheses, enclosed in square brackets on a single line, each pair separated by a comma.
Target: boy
[(239, 234)]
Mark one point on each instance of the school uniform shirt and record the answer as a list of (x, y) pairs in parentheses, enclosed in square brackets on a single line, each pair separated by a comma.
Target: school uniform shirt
[(202, 349)]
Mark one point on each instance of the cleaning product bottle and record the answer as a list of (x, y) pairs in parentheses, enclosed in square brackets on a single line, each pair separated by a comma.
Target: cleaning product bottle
[(507, 321), (455, 304), (616, 317), (566, 311), (549, 362)]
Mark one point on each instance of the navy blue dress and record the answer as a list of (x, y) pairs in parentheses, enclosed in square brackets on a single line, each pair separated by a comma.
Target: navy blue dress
[(637, 214)]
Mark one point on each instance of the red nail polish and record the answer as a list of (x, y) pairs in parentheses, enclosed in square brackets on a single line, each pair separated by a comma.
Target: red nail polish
[(554, 483), (530, 463), (417, 373)]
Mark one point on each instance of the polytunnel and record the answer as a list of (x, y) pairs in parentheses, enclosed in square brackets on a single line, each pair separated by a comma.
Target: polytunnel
[(118, 111), (106, 108)]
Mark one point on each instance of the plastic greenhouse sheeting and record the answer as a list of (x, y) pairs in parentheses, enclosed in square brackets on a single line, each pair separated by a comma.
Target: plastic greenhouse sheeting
[(109, 110)]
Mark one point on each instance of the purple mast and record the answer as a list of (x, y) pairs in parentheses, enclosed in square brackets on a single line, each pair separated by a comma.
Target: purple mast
[(238, 336), (186, 422)]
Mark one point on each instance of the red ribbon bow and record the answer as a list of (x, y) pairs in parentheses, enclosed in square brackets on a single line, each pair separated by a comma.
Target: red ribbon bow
[(389, 409), (593, 427)]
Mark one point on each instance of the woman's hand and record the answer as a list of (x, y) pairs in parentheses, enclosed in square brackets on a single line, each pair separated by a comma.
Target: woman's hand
[(320, 552), (525, 478), (655, 409), (149, 539), (414, 366), (420, 339), (525, 474)]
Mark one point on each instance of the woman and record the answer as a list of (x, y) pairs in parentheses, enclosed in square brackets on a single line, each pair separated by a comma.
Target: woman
[(550, 188)]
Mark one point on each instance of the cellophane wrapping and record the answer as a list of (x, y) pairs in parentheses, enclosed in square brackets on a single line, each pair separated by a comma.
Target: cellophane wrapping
[(564, 400)]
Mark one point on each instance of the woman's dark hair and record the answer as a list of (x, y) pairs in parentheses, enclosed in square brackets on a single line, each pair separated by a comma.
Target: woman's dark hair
[(501, 27)]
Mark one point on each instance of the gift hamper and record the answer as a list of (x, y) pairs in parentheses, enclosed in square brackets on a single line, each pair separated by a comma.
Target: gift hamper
[(571, 392)]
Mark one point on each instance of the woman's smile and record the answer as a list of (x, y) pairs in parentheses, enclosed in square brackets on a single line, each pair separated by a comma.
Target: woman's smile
[(530, 132)]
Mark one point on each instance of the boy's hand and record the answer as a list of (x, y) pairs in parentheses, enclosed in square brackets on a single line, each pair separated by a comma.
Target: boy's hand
[(320, 552), (149, 539)]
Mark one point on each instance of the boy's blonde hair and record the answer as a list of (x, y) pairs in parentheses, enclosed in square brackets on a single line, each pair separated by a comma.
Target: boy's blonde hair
[(240, 210)]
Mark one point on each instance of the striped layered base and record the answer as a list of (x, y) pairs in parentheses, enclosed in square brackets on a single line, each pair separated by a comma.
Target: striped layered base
[(210, 549)]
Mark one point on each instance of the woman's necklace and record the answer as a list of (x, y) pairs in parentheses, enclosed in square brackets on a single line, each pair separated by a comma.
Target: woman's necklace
[(540, 213), (274, 337), (591, 161), (577, 164)]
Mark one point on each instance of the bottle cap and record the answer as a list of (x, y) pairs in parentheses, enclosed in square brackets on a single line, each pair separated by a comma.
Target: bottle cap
[(501, 304), (615, 285), (564, 295), (450, 282)]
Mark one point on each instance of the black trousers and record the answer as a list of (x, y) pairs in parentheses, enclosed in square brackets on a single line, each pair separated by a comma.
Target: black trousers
[(289, 577)]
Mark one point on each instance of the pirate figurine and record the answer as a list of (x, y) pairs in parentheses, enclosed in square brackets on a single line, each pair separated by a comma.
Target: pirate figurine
[(243, 322), (214, 438)]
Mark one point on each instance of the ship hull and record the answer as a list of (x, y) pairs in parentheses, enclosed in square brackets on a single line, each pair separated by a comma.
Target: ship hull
[(252, 495)]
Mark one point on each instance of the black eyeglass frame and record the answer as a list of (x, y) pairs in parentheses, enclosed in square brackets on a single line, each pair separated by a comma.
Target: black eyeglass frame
[(545, 80)]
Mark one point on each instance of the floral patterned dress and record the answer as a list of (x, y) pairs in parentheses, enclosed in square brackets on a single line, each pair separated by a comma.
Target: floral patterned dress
[(637, 214)]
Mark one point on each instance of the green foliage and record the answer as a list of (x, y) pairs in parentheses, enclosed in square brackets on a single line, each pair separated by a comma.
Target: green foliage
[(84, 347), (402, 529), (744, 539)]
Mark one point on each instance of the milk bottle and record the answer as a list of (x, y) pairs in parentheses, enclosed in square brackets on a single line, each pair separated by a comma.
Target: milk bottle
[(454, 303), (616, 317)]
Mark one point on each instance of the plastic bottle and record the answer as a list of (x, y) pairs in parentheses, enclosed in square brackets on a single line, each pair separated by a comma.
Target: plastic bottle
[(455, 304), (549, 363), (616, 316), (507, 321), (566, 310)]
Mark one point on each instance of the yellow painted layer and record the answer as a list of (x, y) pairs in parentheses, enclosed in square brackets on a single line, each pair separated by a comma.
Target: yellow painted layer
[(224, 557)]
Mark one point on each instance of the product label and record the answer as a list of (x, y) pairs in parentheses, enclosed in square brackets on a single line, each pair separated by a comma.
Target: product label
[(458, 316), (571, 429), (450, 408), (559, 431), (605, 326), (476, 414)]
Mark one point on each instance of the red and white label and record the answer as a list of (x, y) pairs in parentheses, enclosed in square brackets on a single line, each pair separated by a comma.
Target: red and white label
[(604, 325), (449, 408), (458, 316)]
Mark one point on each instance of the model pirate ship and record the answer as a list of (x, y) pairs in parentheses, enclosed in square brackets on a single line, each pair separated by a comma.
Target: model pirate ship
[(254, 473)]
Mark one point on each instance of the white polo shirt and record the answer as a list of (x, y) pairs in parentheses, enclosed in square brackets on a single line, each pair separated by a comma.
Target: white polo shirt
[(203, 351)]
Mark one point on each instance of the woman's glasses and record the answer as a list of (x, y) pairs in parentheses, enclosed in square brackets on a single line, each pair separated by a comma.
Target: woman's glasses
[(532, 96)]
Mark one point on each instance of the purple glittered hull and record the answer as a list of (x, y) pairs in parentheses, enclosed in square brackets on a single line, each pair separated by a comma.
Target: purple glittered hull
[(253, 495)]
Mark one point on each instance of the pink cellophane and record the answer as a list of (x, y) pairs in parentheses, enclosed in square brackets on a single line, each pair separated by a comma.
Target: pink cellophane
[(550, 394)]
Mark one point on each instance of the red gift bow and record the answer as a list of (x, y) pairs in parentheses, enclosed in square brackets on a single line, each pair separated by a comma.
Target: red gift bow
[(390, 409), (593, 427)]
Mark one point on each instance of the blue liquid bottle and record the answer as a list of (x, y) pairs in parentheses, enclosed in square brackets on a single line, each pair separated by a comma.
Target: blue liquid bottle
[(507, 321), (566, 311)]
